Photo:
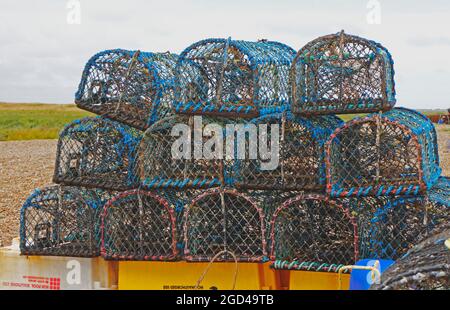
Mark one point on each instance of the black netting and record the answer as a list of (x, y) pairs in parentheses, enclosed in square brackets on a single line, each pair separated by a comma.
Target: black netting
[(224, 220), (230, 77), (389, 227), (139, 225), (133, 87), (269, 201), (165, 163), (179, 200), (97, 152), (290, 152), (62, 221), (341, 73), (313, 229)]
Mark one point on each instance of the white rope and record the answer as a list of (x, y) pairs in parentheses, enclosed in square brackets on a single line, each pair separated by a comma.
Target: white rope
[(212, 261)]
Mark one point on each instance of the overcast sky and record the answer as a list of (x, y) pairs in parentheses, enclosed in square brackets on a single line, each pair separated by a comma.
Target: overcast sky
[(42, 55)]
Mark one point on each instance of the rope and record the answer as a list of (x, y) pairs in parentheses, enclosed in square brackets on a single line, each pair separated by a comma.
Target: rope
[(141, 216), (341, 56), (58, 213), (377, 142), (224, 213), (222, 72), (283, 132), (133, 60), (376, 275), (92, 242), (212, 261)]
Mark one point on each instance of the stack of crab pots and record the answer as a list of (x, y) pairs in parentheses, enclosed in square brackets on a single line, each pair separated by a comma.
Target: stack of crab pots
[(233, 152)]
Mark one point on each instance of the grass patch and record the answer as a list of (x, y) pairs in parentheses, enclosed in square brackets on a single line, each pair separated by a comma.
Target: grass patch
[(347, 117), (29, 121), (36, 121)]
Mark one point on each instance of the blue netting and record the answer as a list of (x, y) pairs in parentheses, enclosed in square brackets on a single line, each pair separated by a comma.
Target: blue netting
[(300, 159), (132, 87), (62, 221), (394, 153), (440, 192), (230, 77), (342, 73), (97, 152), (425, 131), (389, 227)]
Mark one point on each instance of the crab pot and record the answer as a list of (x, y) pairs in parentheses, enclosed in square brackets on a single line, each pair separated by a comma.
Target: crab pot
[(425, 267), (341, 73), (269, 201), (394, 153), (389, 227), (233, 78), (224, 225), (296, 148), (97, 152), (139, 225), (132, 87), (62, 221), (439, 194), (314, 230), (176, 152)]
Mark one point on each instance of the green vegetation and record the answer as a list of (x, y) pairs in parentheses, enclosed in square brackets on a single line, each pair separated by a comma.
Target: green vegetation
[(28, 121), (35, 121), (347, 117)]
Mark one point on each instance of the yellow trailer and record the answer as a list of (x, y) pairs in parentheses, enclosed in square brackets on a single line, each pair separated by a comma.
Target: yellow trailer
[(53, 272)]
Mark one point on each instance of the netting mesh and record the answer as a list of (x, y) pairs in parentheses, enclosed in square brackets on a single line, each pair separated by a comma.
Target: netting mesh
[(299, 163), (439, 194), (424, 267), (179, 200), (139, 225), (97, 152), (229, 77), (133, 87), (269, 201), (342, 73), (164, 162), (224, 220), (389, 227), (310, 232), (62, 221), (313, 231), (394, 153)]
